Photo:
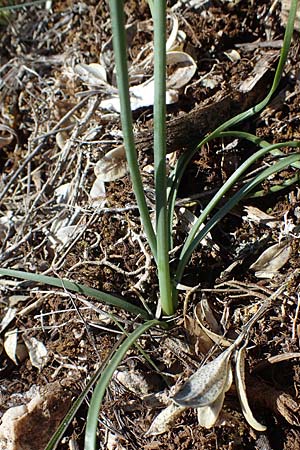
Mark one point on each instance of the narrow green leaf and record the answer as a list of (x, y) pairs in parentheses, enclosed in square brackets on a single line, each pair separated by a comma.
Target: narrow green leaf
[(119, 44), (162, 228), (243, 192), (96, 401), (77, 287)]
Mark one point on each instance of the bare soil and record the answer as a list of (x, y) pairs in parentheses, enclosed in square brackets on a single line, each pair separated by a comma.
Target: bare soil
[(107, 248)]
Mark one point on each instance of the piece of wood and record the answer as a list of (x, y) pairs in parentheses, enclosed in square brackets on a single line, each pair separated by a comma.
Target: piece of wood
[(188, 129)]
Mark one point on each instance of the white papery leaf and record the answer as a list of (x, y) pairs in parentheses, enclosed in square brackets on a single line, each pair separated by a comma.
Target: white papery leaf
[(98, 193), (208, 415), (8, 318), (65, 234), (182, 68), (64, 192), (241, 390), (271, 260), (165, 419), (14, 349), (141, 96), (207, 383), (93, 74), (112, 166), (38, 353)]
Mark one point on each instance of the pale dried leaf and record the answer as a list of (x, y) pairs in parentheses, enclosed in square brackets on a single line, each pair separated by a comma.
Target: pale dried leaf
[(64, 192), (61, 139), (112, 166), (98, 193), (208, 415), (30, 426), (283, 357), (14, 349), (182, 68), (176, 37), (199, 314), (206, 384), (10, 345), (7, 134), (65, 234), (93, 74), (233, 55), (241, 390), (198, 337), (257, 216), (271, 260), (15, 299), (141, 96), (133, 381), (208, 315), (8, 318), (38, 353), (165, 419)]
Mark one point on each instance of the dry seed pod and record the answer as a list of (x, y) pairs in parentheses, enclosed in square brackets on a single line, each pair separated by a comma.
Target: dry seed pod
[(207, 384), (241, 390)]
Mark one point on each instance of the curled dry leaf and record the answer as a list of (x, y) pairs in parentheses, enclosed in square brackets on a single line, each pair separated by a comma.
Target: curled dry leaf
[(133, 381), (257, 216), (208, 415), (207, 384), (38, 353), (198, 338), (112, 166), (241, 390), (98, 193), (8, 318), (272, 259), (176, 37), (165, 419), (203, 312), (182, 68), (93, 74), (7, 134), (14, 349)]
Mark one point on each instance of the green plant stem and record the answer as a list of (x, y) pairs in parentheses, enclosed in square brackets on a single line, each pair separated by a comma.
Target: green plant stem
[(77, 287), (162, 228), (184, 160), (194, 239), (96, 401), (119, 44)]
